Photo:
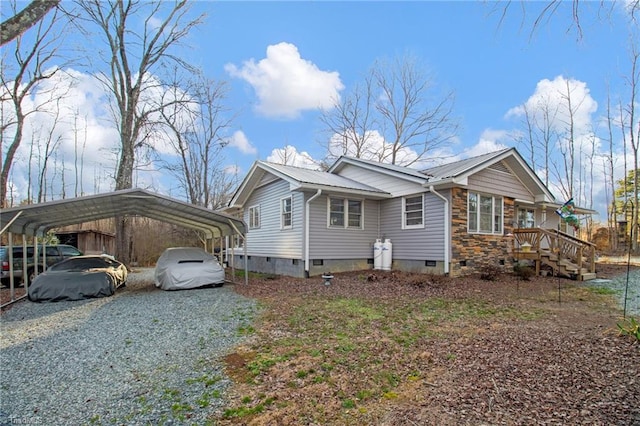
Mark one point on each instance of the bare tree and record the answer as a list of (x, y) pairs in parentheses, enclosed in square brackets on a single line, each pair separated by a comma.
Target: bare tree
[(20, 22), (610, 178), (197, 127), (397, 102), (131, 57), (350, 124), (633, 130), (47, 146), (19, 78), (540, 137), (536, 14)]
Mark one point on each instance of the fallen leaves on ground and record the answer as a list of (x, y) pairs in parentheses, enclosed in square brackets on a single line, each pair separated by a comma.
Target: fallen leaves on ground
[(391, 348)]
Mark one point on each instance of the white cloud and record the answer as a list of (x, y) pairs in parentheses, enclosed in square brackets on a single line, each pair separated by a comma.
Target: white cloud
[(552, 97), (286, 84), (489, 142), (550, 110), (290, 156), (240, 141)]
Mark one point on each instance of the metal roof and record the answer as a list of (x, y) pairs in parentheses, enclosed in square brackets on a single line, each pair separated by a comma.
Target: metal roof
[(301, 179), (319, 178), (38, 219), (457, 168)]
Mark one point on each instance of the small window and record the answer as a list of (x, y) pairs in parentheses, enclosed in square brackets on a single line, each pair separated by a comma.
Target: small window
[(526, 218), (286, 210), (345, 213), (336, 212), (354, 211), (254, 217), (413, 212)]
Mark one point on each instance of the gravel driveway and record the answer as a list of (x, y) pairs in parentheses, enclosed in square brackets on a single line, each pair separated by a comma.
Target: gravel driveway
[(141, 357)]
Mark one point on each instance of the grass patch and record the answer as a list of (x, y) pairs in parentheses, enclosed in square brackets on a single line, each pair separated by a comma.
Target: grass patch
[(358, 349), (602, 290)]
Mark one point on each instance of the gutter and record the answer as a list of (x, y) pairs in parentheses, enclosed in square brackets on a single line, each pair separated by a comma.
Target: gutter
[(307, 231), (447, 228)]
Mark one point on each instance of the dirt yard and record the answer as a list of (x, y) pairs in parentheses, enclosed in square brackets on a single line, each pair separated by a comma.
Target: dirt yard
[(403, 349)]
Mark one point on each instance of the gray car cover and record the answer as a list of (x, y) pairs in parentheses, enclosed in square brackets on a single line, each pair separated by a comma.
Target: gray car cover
[(55, 286), (180, 268)]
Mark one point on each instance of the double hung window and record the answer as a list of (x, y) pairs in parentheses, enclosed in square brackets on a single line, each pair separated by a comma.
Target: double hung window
[(484, 213)]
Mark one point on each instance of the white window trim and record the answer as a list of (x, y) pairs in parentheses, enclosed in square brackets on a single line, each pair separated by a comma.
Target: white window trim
[(251, 223), (346, 213), (493, 213), (404, 211), (282, 225)]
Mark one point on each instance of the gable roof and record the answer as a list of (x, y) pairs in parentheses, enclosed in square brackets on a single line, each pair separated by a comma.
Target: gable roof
[(37, 219), (302, 179), (457, 173), (457, 168), (389, 169)]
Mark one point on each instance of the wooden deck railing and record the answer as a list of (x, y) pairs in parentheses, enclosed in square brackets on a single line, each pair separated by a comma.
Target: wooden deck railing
[(564, 246)]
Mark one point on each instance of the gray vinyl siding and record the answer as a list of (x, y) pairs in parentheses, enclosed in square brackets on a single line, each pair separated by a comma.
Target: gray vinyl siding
[(415, 244), (341, 243), (393, 185), (270, 239), (495, 182)]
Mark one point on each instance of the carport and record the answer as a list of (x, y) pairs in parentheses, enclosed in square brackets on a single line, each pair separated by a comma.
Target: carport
[(37, 219)]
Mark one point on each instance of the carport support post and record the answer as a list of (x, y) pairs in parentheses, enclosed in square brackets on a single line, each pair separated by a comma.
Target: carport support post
[(246, 263), (12, 289)]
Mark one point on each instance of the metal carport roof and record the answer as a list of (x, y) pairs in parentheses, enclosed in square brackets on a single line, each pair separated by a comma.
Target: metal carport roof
[(38, 219)]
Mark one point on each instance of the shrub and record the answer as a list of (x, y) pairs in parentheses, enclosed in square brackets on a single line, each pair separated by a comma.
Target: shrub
[(631, 328), (490, 272), (425, 280), (524, 272)]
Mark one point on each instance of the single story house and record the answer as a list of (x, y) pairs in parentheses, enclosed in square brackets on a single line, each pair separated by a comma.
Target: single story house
[(361, 214)]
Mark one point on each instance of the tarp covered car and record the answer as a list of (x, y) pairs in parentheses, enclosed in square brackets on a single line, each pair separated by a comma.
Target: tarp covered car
[(181, 268), (78, 278)]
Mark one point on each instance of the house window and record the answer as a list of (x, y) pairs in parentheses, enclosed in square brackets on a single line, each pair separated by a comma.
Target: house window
[(485, 213), (526, 218), (354, 213), (285, 211), (254, 217), (413, 212), (345, 213)]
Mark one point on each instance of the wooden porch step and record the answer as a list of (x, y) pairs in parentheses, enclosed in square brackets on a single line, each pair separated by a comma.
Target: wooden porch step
[(586, 276)]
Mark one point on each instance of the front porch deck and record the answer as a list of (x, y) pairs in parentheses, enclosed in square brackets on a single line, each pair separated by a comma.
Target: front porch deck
[(564, 253)]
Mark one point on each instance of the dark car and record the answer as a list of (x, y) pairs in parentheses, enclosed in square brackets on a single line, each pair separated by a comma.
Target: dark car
[(77, 278), (53, 254), (181, 268)]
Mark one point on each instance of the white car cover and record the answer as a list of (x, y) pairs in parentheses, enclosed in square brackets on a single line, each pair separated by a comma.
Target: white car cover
[(180, 268)]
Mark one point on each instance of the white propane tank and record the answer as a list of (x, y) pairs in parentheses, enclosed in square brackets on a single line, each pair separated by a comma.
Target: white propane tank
[(386, 255), (377, 254)]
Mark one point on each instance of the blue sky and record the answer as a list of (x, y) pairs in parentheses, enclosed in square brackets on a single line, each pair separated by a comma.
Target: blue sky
[(490, 67), (283, 59), (493, 67)]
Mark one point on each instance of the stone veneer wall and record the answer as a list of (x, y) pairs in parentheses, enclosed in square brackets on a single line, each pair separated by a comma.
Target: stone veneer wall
[(477, 250)]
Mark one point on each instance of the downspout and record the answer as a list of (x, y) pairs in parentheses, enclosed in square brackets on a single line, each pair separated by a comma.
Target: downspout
[(307, 231), (447, 228)]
